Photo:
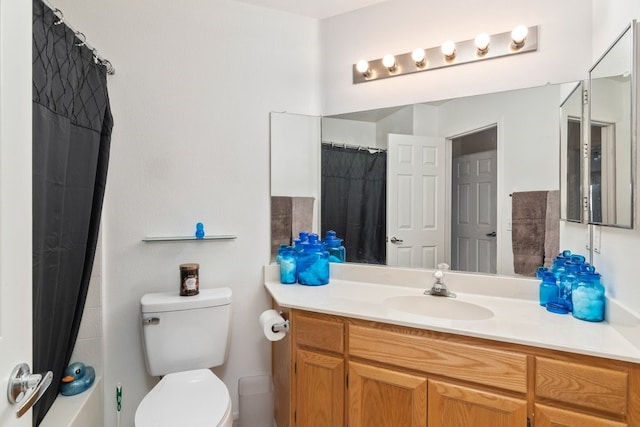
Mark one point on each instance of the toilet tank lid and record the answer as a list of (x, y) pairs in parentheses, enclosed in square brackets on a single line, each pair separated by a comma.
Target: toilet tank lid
[(172, 301)]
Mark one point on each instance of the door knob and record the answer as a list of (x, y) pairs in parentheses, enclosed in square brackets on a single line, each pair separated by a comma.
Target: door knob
[(492, 234), (23, 384), (394, 240)]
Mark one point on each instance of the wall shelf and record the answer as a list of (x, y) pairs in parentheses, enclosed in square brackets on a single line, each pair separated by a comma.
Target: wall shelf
[(188, 238)]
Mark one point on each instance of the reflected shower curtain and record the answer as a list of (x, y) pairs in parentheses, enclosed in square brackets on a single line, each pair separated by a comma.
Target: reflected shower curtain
[(71, 137), (354, 193)]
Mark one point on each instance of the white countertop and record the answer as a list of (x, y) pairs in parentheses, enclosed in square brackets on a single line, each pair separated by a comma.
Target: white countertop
[(359, 291)]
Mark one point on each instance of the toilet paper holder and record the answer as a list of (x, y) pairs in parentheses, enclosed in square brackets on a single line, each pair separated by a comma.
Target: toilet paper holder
[(282, 326)]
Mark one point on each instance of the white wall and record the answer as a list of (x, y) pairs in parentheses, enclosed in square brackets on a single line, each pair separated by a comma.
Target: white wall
[(401, 25), (195, 82)]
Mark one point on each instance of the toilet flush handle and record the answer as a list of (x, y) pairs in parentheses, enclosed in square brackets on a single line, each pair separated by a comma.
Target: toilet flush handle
[(150, 321)]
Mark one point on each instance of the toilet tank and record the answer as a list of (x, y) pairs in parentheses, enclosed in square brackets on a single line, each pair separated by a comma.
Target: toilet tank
[(181, 333)]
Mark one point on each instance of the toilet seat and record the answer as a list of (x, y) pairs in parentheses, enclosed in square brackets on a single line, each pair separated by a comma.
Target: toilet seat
[(191, 398)]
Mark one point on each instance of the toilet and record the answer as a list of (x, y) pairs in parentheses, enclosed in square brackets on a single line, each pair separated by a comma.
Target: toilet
[(182, 338)]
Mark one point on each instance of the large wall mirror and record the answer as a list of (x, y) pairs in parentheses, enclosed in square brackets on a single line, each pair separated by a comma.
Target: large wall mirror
[(509, 138), (611, 143)]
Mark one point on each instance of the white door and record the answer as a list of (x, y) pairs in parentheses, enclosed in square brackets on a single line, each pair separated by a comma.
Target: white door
[(415, 201), (473, 207), (15, 198)]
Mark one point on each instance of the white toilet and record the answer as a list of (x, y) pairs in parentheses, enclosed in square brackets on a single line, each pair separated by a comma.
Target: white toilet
[(183, 337)]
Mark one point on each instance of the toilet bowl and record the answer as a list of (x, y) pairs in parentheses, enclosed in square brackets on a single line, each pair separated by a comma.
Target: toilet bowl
[(191, 398)]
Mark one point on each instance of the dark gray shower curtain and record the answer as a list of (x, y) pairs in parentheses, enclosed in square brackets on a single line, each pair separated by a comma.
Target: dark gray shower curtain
[(71, 138), (354, 194)]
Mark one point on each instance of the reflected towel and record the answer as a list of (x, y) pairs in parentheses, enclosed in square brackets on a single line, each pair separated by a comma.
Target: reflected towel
[(281, 221), (552, 228), (302, 215), (289, 216), (528, 213)]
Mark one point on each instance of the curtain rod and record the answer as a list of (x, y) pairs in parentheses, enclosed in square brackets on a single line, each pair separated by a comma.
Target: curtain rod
[(80, 36), (354, 147)]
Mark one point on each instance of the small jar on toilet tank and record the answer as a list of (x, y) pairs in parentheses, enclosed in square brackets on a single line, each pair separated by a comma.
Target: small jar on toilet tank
[(189, 284)]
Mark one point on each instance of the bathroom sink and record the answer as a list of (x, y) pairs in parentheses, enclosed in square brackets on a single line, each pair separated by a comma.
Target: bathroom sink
[(441, 307)]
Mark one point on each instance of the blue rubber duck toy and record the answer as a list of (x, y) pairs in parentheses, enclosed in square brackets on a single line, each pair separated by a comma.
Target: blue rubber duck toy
[(77, 378)]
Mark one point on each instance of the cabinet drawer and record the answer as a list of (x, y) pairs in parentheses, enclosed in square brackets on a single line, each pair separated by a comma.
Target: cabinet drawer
[(499, 368), (321, 332), (589, 386)]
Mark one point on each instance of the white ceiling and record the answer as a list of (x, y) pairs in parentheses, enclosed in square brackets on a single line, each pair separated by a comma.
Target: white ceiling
[(314, 8)]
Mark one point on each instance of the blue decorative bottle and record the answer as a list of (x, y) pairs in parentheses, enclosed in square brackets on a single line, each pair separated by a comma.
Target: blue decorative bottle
[(587, 297), (333, 245), (313, 263), (288, 265), (549, 291)]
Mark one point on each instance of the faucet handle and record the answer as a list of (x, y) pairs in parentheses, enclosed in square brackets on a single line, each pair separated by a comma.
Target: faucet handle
[(443, 266)]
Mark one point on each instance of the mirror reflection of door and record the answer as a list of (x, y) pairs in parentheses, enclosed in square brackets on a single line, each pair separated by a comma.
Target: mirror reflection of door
[(474, 201), (415, 208)]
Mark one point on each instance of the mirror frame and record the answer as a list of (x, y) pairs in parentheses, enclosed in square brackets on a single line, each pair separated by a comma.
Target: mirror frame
[(632, 31), (579, 91)]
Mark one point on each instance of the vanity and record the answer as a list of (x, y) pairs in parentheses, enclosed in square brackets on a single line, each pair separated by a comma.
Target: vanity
[(370, 349)]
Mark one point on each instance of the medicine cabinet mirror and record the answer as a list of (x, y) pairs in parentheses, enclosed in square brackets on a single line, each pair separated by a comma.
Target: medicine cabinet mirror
[(571, 157), (611, 147)]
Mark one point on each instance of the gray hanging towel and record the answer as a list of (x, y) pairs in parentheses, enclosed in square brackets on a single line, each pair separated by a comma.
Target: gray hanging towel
[(552, 228), (528, 218)]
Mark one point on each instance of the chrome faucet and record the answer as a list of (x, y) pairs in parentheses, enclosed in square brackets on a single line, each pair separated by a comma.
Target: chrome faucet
[(439, 289)]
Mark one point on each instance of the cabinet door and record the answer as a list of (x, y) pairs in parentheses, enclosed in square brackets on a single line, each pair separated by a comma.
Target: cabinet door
[(319, 390), (461, 406), (547, 416), (383, 398)]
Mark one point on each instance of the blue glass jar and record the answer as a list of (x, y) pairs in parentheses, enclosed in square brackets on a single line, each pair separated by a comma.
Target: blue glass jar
[(567, 279), (333, 245), (281, 248), (288, 265), (587, 297), (549, 291), (313, 263)]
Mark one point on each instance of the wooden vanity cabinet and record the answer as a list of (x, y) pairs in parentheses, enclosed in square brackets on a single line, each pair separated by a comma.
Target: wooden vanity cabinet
[(348, 372), (309, 389)]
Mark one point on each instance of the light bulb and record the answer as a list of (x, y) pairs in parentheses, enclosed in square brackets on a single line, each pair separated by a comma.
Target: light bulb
[(482, 43), (519, 35), (448, 49), (363, 67), (389, 61), (419, 56)]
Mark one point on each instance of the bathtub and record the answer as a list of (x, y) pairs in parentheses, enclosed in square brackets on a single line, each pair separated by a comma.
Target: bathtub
[(82, 410)]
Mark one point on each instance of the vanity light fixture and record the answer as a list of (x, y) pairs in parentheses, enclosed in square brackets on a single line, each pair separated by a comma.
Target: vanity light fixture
[(448, 49), (485, 46), (482, 43), (419, 57), (389, 61)]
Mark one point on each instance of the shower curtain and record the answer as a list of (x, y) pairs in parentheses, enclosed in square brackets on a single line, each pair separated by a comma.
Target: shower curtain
[(71, 137), (353, 201)]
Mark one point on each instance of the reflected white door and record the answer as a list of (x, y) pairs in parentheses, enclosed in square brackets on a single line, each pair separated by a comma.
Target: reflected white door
[(473, 207), (15, 198), (415, 201)]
